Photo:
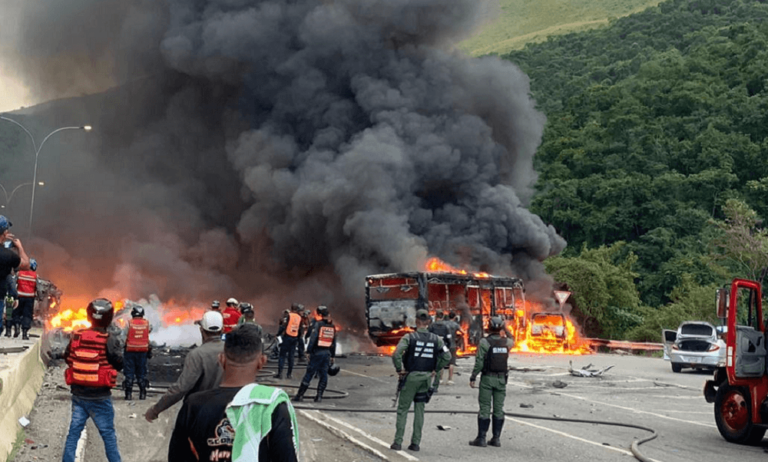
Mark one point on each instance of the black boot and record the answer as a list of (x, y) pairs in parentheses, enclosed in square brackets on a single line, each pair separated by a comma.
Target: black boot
[(498, 424), (279, 375), (15, 331), (24, 334), (143, 384), (8, 331), (482, 430), (128, 388), (300, 395), (319, 395)]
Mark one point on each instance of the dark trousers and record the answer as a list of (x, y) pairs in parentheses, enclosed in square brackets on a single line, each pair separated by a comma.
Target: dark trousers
[(319, 363), (300, 344), (287, 349), (135, 367), (22, 315)]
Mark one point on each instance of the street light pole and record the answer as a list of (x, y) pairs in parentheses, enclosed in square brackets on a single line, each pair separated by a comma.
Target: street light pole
[(37, 153), (8, 198)]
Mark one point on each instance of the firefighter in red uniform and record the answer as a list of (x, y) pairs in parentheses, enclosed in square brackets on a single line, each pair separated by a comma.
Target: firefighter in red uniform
[(93, 357), (291, 331), (137, 352), (26, 285), (231, 315)]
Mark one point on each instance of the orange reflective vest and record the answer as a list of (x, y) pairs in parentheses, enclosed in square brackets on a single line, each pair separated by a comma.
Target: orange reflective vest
[(138, 336), (294, 322), (27, 283), (231, 316), (325, 336), (88, 365)]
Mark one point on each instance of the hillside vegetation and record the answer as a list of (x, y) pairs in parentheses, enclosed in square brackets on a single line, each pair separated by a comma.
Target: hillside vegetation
[(518, 22), (656, 151)]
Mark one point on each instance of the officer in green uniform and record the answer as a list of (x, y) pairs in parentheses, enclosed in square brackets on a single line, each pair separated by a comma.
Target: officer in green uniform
[(417, 357), (491, 360)]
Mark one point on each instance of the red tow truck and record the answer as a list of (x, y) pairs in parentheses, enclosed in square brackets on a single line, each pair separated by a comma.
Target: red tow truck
[(739, 390)]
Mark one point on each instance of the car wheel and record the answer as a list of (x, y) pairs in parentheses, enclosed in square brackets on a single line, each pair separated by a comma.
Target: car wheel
[(677, 367), (733, 415)]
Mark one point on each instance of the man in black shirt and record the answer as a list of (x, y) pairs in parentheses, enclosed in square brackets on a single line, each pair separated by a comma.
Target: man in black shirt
[(203, 430), (10, 258)]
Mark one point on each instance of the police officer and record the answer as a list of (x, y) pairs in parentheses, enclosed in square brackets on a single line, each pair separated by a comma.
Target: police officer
[(248, 317), (305, 327), (290, 332), (137, 352), (26, 285), (417, 356), (322, 351), (440, 328), (491, 360), (215, 305)]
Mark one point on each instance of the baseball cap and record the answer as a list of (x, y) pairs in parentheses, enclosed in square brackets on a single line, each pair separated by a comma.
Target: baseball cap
[(423, 315), (4, 223), (212, 321)]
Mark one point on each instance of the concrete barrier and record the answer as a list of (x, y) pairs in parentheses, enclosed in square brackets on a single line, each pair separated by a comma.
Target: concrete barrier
[(22, 376)]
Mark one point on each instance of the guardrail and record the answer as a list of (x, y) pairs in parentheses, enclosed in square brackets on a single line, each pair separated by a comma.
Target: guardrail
[(624, 345)]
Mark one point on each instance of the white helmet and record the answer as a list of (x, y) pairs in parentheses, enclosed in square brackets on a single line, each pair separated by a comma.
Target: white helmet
[(232, 301)]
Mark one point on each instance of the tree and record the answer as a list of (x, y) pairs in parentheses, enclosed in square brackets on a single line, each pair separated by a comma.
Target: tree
[(742, 244)]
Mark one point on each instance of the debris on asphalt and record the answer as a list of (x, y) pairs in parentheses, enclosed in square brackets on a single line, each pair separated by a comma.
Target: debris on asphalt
[(132, 416), (527, 369), (23, 421), (444, 428), (587, 372), (559, 384), (526, 406)]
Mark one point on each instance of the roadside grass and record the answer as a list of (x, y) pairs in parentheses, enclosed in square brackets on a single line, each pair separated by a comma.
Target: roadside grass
[(20, 436), (518, 22)]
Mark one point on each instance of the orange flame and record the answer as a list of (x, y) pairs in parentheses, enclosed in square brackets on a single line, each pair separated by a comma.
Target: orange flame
[(436, 265)]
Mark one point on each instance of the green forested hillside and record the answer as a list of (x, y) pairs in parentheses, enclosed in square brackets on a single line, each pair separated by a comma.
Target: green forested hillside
[(654, 123), (517, 22)]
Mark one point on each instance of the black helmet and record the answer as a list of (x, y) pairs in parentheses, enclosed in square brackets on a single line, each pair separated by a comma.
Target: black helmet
[(137, 311), (100, 312), (246, 308), (496, 324), (215, 305), (333, 370), (322, 310)]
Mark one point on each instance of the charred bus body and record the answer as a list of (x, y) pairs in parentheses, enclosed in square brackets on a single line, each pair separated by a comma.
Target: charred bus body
[(391, 301)]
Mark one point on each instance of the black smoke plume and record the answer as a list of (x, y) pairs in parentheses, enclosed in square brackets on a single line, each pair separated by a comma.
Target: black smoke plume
[(278, 149)]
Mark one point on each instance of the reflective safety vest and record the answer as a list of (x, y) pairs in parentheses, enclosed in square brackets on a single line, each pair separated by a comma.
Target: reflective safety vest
[(422, 352), (294, 321), (497, 355), (138, 336), (88, 365), (325, 335), (231, 317), (27, 283)]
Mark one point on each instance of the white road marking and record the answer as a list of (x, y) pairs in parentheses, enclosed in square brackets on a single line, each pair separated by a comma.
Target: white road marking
[(80, 450), (568, 435), (342, 434), (367, 435), (619, 407), (363, 375)]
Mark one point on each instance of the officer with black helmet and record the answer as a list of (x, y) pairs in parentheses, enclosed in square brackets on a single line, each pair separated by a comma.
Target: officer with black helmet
[(322, 351), (417, 356), (137, 351), (491, 361)]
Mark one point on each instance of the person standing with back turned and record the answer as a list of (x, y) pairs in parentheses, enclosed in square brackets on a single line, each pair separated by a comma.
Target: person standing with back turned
[(491, 360)]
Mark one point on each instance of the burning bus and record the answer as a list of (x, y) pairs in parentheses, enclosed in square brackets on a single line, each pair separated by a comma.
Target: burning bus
[(392, 300)]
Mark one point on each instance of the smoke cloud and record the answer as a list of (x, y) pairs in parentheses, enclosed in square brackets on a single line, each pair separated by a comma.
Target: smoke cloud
[(277, 149)]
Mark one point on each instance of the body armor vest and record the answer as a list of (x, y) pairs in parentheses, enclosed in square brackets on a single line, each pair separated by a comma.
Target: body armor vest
[(138, 336), (325, 335), (26, 285), (88, 365), (497, 355), (440, 329), (422, 352), (294, 321)]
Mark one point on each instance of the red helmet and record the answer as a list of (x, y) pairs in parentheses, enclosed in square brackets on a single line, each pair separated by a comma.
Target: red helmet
[(100, 312)]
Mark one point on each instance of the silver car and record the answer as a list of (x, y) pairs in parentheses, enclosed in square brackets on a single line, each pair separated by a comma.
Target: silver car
[(695, 344)]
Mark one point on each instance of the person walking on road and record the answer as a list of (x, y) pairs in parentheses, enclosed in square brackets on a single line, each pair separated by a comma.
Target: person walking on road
[(290, 333), (201, 370), (491, 361), (238, 421), (8, 303), (322, 351), (93, 357), (137, 352), (455, 330), (417, 357), (440, 327)]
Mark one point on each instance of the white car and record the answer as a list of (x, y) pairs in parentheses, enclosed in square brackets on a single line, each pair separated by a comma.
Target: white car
[(695, 344)]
